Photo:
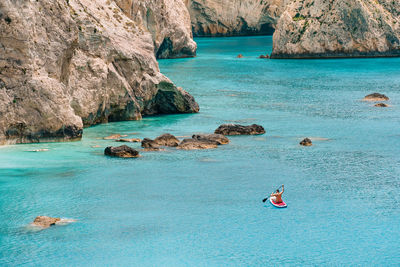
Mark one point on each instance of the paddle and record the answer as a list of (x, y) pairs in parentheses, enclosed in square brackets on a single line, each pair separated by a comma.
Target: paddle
[(265, 199)]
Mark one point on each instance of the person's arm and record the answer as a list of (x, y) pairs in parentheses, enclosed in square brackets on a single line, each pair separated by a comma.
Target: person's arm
[(283, 188)]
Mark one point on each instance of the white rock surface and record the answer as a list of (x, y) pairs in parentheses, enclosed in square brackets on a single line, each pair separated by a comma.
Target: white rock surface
[(68, 64), (340, 28)]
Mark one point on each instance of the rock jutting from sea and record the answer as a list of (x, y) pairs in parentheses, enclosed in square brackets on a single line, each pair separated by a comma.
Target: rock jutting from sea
[(65, 65), (342, 28)]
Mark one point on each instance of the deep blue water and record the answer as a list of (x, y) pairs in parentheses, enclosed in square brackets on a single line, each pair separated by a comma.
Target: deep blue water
[(203, 208)]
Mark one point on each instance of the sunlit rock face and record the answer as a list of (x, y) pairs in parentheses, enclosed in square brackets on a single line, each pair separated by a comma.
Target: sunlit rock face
[(69, 64), (234, 17), (169, 23), (340, 28)]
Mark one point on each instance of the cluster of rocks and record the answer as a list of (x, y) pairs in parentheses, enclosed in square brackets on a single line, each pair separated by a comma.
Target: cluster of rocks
[(198, 141), (377, 97)]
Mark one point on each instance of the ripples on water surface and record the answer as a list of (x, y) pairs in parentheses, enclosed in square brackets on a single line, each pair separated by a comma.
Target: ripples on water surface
[(203, 208)]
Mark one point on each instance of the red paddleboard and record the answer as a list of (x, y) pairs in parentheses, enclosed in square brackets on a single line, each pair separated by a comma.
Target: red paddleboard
[(277, 205)]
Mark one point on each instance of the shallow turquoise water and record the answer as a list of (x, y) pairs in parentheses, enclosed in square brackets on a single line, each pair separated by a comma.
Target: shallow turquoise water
[(203, 208)]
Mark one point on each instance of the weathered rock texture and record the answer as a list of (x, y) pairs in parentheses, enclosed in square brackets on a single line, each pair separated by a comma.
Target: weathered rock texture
[(234, 17), (45, 221), (163, 140), (219, 139), (121, 152), (340, 28), (192, 144), (236, 129), (376, 97), (169, 23), (69, 64)]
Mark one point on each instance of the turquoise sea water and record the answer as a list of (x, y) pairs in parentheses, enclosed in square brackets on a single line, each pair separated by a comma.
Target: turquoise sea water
[(203, 208)]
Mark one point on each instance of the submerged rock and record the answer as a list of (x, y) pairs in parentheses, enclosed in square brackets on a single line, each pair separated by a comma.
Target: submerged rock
[(237, 129), (114, 136), (45, 221), (376, 97), (191, 144), (381, 105), (121, 152), (217, 138), (129, 140), (306, 142)]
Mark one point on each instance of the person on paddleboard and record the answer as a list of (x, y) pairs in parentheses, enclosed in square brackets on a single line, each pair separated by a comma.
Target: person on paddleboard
[(277, 196)]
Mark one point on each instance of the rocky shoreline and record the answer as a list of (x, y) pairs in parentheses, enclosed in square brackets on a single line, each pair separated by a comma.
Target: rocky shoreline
[(66, 65)]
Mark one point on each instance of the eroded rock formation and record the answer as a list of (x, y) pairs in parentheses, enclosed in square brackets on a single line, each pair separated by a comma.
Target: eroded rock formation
[(234, 17), (340, 28), (169, 23), (69, 64)]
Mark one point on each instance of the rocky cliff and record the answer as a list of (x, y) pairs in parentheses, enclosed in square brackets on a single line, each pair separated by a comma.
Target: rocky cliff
[(234, 17), (340, 28), (65, 64), (169, 23)]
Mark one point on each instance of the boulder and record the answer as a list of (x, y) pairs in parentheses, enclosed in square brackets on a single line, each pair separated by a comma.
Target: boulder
[(376, 97), (45, 221), (236, 129), (129, 140), (114, 136), (264, 56), (306, 142), (149, 143), (167, 140), (121, 152), (191, 144), (217, 138), (381, 105)]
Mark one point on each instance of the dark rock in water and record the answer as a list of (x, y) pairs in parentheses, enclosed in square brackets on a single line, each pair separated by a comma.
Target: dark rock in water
[(236, 129), (45, 221), (306, 142), (240, 56), (162, 140), (149, 143), (381, 105), (264, 56), (167, 140), (129, 140), (190, 144), (218, 138), (376, 97), (121, 152)]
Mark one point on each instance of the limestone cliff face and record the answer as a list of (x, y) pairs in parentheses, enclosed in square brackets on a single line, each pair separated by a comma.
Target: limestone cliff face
[(340, 28), (234, 17), (65, 64), (169, 23)]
